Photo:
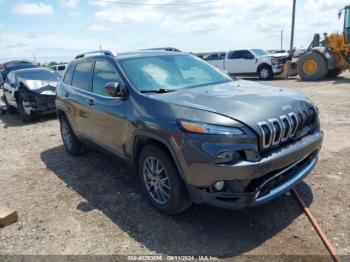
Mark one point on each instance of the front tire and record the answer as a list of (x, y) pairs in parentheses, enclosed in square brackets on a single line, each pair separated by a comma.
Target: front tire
[(10, 109), (23, 116), (70, 141), (265, 72), (161, 182), (312, 66)]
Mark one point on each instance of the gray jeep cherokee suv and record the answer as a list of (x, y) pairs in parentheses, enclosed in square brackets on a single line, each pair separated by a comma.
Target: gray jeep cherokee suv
[(192, 133)]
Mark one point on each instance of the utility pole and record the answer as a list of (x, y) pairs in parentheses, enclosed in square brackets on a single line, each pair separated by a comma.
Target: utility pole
[(281, 40), (34, 57), (292, 32)]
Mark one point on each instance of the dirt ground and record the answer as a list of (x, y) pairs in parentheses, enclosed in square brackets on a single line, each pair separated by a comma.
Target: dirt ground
[(92, 204)]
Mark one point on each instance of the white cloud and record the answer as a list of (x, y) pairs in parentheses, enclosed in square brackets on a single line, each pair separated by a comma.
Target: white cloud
[(190, 18), (32, 9), (98, 28), (70, 3), (224, 25), (253, 23)]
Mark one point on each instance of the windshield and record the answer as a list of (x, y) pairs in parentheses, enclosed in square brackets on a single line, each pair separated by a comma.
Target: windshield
[(170, 72), (347, 18), (259, 52), (43, 75)]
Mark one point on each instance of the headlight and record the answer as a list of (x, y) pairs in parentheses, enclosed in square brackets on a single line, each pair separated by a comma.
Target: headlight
[(203, 128), (274, 61)]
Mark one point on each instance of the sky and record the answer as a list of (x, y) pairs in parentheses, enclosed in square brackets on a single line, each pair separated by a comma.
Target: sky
[(60, 29)]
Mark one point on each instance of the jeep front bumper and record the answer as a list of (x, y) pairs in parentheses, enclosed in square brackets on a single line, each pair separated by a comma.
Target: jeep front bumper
[(250, 183)]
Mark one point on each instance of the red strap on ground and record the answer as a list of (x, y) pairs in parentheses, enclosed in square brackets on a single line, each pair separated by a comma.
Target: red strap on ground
[(314, 222)]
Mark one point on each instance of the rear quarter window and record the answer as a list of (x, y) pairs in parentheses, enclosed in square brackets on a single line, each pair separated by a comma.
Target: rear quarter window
[(69, 74), (82, 76)]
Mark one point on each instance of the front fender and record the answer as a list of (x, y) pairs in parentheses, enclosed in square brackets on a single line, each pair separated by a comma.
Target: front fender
[(328, 55), (168, 143)]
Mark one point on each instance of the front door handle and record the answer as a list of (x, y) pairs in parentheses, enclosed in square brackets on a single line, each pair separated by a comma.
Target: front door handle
[(90, 102), (66, 94)]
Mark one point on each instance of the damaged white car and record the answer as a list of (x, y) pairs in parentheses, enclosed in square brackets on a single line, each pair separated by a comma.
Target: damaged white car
[(31, 92)]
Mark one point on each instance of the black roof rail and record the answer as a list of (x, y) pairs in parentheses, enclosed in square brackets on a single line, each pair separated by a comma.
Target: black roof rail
[(103, 52), (173, 49)]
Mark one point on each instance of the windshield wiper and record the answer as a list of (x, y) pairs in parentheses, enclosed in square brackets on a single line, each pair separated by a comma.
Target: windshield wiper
[(159, 91)]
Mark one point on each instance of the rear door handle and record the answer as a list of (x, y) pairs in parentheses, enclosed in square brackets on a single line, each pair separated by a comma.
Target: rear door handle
[(90, 102)]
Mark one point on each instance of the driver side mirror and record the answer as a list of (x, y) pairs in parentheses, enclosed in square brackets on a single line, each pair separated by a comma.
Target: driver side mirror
[(115, 89)]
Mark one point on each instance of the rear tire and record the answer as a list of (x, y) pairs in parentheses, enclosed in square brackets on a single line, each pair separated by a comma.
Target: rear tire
[(70, 141), (334, 72), (161, 182), (265, 72), (312, 66)]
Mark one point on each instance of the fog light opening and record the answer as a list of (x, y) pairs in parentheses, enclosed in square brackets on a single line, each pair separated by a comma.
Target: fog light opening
[(219, 185)]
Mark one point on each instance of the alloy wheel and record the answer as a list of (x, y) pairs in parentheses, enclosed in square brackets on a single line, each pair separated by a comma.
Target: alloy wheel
[(264, 73), (156, 180)]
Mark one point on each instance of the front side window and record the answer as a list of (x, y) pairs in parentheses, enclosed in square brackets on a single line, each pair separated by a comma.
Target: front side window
[(103, 73), (171, 72), (81, 76)]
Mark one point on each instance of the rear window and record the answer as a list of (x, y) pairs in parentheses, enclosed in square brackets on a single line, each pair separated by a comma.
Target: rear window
[(81, 76)]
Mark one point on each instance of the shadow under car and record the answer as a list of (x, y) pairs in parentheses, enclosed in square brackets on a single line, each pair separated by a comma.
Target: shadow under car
[(111, 186)]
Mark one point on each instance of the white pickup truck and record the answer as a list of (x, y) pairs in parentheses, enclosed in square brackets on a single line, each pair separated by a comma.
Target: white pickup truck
[(249, 62)]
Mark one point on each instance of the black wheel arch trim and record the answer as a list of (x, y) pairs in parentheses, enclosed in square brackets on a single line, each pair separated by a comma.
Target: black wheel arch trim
[(165, 142), (61, 113)]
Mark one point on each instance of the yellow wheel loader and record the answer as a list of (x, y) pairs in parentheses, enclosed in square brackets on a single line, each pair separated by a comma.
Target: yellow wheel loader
[(329, 57)]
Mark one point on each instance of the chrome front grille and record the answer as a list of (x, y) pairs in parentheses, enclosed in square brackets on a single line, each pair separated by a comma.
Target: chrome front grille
[(279, 130)]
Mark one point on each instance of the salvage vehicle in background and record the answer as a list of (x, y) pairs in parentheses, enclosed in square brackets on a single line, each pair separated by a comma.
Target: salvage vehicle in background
[(30, 92), (14, 65), (59, 69), (192, 133), (171, 49), (252, 62), (216, 59), (329, 57)]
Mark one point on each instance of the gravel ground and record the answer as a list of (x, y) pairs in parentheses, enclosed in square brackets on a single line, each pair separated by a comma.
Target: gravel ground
[(92, 204)]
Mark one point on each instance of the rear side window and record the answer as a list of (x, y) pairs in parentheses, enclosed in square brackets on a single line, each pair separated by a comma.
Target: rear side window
[(242, 54), (103, 73), (69, 74), (81, 76), (61, 68)]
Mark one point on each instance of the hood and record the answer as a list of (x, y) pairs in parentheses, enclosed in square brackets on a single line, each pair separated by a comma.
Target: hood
[(41, 87), (276, 55), (245, 101)]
